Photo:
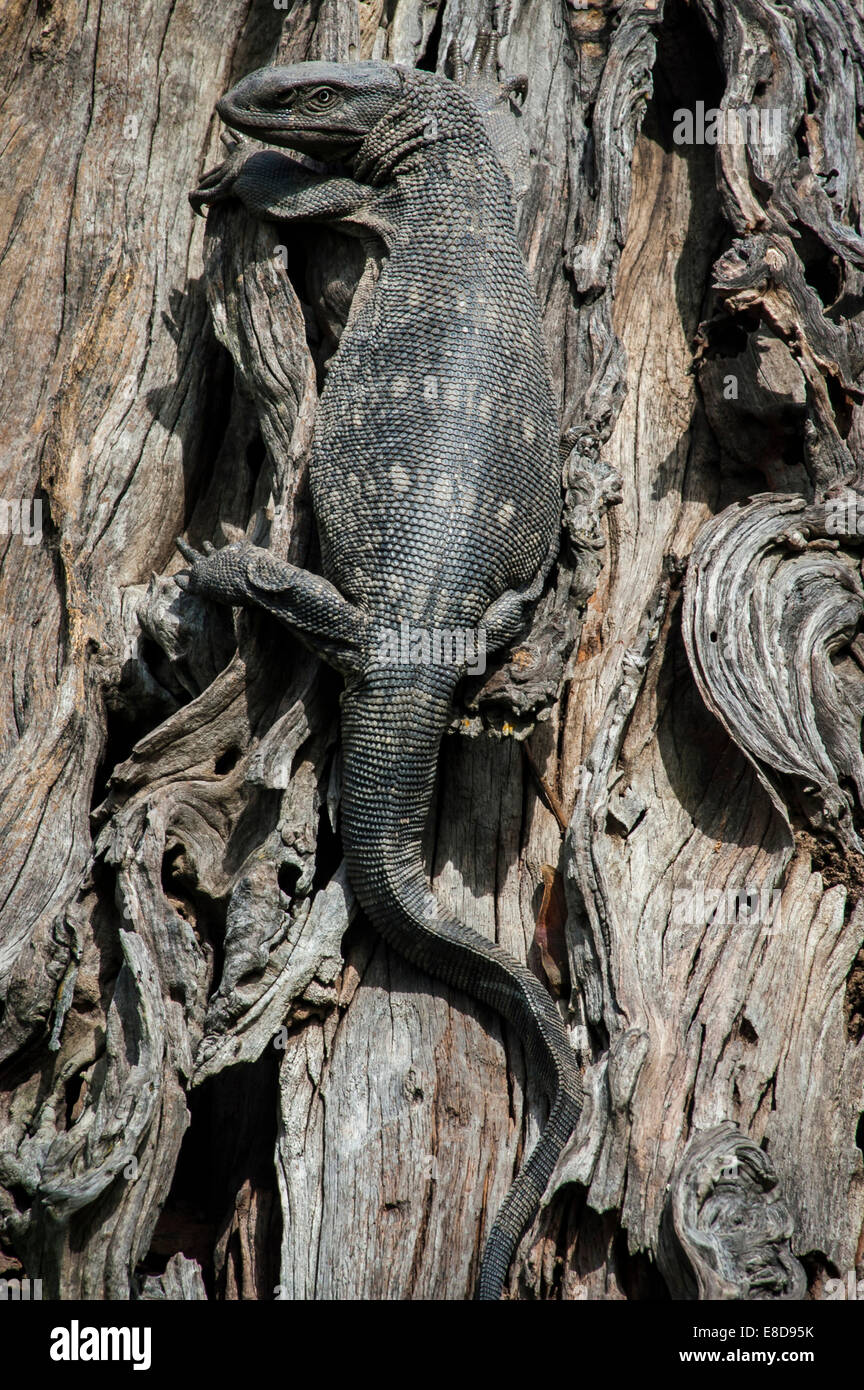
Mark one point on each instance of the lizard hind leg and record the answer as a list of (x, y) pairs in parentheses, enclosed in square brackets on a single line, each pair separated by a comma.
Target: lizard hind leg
[(507, 618), (249, 576)]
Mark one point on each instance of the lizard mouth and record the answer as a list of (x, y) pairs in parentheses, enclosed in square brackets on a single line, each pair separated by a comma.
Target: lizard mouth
[(267, 127), (344, 138)]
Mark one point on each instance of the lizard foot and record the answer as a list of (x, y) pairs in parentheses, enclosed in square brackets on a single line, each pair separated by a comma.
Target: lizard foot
[(217, 184), (213, 573), (494, 96)]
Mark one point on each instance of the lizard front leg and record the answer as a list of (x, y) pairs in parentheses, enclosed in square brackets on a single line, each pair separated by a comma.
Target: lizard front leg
[(308, 604), (277, 188)]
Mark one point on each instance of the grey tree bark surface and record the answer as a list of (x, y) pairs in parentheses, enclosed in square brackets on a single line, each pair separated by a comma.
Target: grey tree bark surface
[(215, 1080)]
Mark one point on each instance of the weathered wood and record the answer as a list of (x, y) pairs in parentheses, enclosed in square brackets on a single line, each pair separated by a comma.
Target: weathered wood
[(725, 1231), (180, 953)]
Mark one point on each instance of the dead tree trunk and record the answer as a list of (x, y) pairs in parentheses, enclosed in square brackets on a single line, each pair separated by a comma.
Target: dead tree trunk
[(216, 1080)]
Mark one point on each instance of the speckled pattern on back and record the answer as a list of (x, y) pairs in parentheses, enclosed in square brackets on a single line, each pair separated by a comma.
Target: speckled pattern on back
[(435, 472)]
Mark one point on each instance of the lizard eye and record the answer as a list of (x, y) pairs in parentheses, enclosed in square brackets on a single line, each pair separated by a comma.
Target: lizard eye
[(321, 97)]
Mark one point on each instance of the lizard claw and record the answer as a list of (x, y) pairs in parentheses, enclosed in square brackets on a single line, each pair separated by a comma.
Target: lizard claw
[(185, 579), (216, 184), (515, 86), (189, 580)]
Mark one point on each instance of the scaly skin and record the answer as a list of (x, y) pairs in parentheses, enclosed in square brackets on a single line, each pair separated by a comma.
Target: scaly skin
[(436, 489)]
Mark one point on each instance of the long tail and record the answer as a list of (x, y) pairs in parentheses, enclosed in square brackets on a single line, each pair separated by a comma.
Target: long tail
[(391, 733)]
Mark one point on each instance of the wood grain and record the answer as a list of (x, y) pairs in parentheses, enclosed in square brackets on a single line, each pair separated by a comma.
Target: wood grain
[(216, 1081)]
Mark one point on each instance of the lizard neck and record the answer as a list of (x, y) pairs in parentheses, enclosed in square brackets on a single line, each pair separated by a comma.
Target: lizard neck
[(432, 117)]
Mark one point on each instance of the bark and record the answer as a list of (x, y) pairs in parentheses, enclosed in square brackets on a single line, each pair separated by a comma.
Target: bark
[(216, 1081)]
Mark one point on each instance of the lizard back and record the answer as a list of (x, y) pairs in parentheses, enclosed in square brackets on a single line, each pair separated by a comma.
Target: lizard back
[(435, 473)]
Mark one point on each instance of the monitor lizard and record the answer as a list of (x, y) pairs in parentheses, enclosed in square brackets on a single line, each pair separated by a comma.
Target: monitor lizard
[(436, 489)]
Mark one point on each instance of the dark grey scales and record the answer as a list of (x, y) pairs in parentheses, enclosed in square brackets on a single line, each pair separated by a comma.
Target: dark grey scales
[(435, 482)]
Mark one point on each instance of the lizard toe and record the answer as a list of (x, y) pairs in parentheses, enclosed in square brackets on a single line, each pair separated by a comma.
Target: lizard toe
[(187, 551)]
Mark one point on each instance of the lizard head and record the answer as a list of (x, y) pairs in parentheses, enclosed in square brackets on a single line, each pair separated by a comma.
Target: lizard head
[(322, 109)]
